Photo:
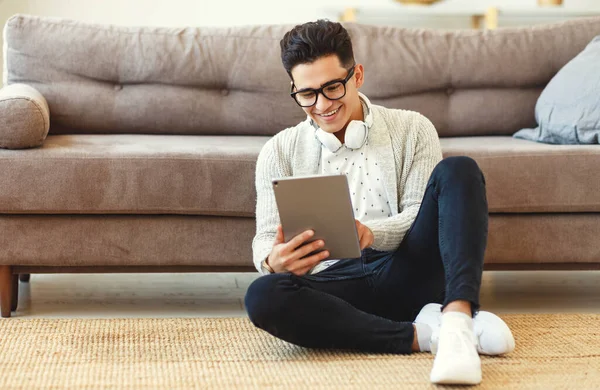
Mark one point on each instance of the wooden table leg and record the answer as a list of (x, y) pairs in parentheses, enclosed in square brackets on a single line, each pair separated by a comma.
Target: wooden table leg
[(14, 300), (5, 290)]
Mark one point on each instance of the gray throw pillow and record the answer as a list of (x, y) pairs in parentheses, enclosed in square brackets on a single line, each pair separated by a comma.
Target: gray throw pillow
[(24, 117), (568, 110)]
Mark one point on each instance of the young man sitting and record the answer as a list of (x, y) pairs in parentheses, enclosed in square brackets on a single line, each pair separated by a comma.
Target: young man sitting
[(421, 221)]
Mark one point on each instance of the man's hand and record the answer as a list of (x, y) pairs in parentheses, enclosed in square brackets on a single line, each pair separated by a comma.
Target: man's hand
[(288, 256), (365, 235)]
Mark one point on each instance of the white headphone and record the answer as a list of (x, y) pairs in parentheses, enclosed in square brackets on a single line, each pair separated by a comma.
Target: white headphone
[(356, 132)]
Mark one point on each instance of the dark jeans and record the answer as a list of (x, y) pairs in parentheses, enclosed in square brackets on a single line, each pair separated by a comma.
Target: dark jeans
[(369, 303)]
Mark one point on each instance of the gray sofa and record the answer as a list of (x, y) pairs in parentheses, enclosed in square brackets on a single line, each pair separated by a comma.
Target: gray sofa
[(149, 161)]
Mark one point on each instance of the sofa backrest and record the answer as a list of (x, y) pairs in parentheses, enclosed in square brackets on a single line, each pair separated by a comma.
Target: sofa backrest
[(110, 79)]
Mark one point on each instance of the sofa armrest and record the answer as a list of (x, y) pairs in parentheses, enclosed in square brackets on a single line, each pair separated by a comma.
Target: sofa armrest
[(24, 117)]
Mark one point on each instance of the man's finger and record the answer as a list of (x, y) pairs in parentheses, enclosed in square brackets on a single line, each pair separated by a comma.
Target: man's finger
[(301, 271), (309, 262), (279, 237), (363, 242), (361, 236), (307, 248), (299, 240), (360, 231)]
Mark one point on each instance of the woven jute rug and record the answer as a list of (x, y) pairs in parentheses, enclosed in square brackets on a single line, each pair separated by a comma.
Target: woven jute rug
[(553, 351)]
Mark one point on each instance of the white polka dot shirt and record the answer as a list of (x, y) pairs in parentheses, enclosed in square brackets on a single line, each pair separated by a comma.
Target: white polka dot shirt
[(365, 181)]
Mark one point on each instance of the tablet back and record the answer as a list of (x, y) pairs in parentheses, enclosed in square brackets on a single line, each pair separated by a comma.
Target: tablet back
[(321, 203)]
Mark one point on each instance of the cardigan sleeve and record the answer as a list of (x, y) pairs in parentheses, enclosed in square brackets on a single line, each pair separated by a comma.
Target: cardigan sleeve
[(271, 163), (418, 162)]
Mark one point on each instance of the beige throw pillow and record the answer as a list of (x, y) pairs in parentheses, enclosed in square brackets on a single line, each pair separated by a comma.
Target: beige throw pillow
[(24, 117)]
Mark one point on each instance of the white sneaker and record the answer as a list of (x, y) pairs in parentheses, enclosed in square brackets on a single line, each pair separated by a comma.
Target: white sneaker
[(491, 333), (456, 361)]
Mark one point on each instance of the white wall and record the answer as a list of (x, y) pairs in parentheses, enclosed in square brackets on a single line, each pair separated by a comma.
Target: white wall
[(239, 12), (169, 12), (222, 12)]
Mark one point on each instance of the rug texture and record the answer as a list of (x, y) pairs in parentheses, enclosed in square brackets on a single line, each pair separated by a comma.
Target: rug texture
[(558, 351)]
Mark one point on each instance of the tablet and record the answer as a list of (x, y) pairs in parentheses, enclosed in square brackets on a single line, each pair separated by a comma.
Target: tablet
[(321, 203)]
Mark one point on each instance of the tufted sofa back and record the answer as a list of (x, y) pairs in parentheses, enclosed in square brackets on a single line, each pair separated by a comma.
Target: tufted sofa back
[(109, 79)]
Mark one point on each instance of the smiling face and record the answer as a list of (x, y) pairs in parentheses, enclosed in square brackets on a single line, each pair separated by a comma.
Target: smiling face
[(331, 116)]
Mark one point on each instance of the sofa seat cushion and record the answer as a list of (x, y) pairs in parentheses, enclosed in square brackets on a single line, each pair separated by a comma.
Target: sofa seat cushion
[(528, 177), (214, 175), (132, 174)]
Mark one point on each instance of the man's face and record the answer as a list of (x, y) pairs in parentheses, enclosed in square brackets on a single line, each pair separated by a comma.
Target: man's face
[(330, 115)]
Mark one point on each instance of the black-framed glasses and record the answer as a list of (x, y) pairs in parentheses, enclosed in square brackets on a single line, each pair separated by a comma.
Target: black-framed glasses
[(332, 90)]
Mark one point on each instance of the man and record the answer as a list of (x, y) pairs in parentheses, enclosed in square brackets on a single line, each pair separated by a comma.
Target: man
[(421, 221)]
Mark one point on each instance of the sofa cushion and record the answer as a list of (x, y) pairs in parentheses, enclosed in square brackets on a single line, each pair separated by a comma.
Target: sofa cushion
[(137, 174), (172, 240), (24, 117), (529, 177), (214, 175), (568, 110), (126, 240)]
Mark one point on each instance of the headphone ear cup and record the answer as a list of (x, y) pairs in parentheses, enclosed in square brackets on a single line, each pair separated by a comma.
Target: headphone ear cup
[(329, 140), (356, 134)]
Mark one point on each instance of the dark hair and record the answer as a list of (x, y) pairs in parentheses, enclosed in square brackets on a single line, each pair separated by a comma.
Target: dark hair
[(310, 41)]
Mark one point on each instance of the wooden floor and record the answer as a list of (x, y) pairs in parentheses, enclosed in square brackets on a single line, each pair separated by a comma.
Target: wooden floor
[(221, 295)]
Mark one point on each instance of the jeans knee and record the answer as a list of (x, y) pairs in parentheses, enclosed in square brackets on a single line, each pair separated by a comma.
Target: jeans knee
[(261, 299), (458, 168)]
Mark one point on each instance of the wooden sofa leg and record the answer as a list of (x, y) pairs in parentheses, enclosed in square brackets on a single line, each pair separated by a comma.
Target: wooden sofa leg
[(24, 277), (14, 299), (6, 281)]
